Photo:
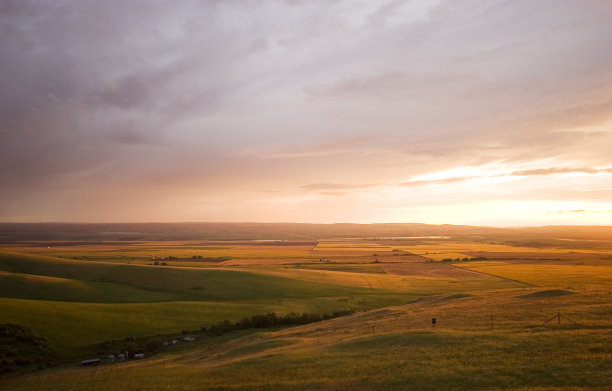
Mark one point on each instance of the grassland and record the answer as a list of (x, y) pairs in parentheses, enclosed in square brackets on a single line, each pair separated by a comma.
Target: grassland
[(566, 276), (119, 300), (490, 311), (392, 348)]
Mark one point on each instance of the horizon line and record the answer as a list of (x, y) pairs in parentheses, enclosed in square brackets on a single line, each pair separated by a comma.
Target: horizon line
[(298, 223)]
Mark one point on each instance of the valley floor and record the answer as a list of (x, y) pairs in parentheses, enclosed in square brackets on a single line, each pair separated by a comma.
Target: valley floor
[(490, 302)]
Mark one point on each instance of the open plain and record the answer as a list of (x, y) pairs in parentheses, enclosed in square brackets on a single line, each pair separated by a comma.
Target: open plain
[(491, 300)]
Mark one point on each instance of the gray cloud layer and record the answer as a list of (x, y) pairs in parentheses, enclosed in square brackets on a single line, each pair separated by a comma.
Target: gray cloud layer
[(240, 96)]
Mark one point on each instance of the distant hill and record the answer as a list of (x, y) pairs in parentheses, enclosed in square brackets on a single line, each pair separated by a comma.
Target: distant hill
[(12, 232)]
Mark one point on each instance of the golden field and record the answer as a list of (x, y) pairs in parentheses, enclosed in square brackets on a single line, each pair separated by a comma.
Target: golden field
[(490, 307)]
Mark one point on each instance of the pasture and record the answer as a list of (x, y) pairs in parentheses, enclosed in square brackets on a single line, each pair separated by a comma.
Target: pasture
[(394, 348), (490, 311)]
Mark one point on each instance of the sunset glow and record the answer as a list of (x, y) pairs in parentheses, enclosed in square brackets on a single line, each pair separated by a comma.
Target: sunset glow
[(474, 112)]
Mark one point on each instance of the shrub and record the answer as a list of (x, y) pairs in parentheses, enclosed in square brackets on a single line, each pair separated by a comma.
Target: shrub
[(154, 344), (271, 320), (131, 348)]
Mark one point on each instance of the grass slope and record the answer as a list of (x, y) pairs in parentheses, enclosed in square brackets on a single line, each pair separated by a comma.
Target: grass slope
[(75, 303), (388, 349), (489, 336), (545, 275), (24, 276)]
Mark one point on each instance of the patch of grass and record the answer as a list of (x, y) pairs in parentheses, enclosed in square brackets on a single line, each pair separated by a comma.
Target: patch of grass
[(69, 325), (26, 286), (416, 285), (258, 347), (433, 361), (132, 283), (345, 267), (547, 293), (456, 296), (145, 251), (416, 360), (545, 275)]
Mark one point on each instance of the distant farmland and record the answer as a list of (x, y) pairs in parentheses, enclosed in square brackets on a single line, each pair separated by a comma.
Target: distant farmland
[(81, 298)]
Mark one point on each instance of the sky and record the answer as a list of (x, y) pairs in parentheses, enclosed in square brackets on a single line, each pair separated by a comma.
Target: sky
[(485, 112)]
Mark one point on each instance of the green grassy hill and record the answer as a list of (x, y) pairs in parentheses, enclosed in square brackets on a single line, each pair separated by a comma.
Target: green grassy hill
[(391, 349), (76, 303), (41, 277)]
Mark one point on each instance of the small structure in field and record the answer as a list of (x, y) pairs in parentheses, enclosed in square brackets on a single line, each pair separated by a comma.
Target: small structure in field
[(138, 356), (92, 361), (120, 357), (189, 339), (110, 358)]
